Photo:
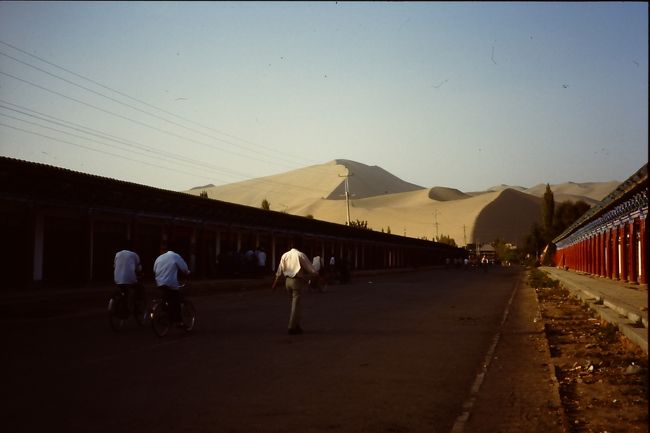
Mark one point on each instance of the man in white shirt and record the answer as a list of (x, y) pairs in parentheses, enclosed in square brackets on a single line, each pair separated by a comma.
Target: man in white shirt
[(126, 268), (165, 269), (297, 270)]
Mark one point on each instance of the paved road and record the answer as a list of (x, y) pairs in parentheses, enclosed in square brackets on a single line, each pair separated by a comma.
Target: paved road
[(394, 353)]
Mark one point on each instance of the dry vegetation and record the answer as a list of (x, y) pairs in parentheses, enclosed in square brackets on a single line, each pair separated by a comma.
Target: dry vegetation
[(603, 377)]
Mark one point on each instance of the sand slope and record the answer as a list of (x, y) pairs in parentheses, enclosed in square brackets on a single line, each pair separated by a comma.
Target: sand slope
[(388, 203)]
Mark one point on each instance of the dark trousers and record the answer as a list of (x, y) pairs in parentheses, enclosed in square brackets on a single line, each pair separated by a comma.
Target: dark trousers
[(134, 294), (173, 298)]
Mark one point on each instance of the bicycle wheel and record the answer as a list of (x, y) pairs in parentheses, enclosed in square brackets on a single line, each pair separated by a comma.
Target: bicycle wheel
[(188, 313), (116, 312), (160, 320)]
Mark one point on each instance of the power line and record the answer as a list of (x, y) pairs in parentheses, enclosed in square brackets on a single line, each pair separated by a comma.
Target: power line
[(93, 149), (128, 118), (76, 100), (274, 151), (153, 153), (123, 117)]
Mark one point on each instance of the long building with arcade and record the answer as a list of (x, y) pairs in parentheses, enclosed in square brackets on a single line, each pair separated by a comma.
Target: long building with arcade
[(609, 240), (62, 226)]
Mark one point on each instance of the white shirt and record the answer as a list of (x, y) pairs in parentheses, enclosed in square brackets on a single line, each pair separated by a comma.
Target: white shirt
[(316, 262), (292, 262), (126, 264), (166, 268)]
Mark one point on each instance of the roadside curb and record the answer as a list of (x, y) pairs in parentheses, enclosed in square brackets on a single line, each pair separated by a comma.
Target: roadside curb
[(551, 367), (630, 324)]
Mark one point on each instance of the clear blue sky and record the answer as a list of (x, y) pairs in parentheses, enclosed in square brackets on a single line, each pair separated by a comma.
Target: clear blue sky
[(462, 95)]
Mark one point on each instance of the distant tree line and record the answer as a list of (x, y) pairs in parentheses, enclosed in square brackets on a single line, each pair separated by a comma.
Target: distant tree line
[(555, 220)]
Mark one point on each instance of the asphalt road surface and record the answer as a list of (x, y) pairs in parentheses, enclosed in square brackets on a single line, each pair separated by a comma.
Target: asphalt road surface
[(390, 353)]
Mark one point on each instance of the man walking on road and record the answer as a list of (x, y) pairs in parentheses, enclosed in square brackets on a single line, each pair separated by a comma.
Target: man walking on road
[(297, 269)]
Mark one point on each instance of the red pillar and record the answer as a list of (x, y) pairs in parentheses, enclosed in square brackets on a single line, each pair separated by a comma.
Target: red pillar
[(588, 255), (592, 256), (642, 276), (631, 253), (623, 254), (599, 252), (613, 239), (615, 273), (606, 254)]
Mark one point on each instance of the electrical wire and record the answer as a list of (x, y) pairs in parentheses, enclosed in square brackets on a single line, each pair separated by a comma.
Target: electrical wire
[(150, 152), (275, 152)]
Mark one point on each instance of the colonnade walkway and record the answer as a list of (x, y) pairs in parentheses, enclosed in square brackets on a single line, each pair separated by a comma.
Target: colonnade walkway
[(622, 304)]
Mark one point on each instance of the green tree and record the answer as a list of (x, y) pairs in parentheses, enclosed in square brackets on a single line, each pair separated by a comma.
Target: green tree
[(448, 240), (204, 194), (505, 252), (535, 241), (265, 205), (548, 213), (360, 224), (566, 213)]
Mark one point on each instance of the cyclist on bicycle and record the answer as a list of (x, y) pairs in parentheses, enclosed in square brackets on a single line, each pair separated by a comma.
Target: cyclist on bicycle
[(127, 269), (166, 269)]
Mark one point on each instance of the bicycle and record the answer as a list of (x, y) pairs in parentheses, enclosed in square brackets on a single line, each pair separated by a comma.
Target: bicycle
[(119, 309), (161, 318)]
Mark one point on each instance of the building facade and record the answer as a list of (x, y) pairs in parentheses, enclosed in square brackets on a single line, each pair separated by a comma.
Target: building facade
[(610, 239), (61, 226)]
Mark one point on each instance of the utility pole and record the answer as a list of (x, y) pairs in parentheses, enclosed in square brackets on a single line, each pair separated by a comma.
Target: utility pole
[(464, 236), (347, 194), (435, 222)]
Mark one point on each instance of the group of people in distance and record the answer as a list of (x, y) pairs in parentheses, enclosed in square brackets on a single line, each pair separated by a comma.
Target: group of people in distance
[(295, 268)]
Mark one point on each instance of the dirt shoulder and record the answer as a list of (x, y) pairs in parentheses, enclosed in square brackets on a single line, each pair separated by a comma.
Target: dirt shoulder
[(560, 368), (519, 392), (603, 377)]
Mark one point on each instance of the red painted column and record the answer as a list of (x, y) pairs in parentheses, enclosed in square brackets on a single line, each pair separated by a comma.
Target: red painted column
[(606, 254), (642, 277), (603, 245), (631, 253), (623, 254), (590, 255), (581, 253), (615, 257), (599, 254)]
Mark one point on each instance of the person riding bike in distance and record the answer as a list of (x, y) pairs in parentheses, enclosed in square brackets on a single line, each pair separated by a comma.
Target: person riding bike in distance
[(166, 269), (127, 270)]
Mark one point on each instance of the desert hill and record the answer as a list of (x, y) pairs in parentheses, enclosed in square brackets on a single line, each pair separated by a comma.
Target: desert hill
[(388, 203)]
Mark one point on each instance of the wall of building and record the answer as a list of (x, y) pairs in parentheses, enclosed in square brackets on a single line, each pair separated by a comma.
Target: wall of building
[(63, 227), (610, 240)]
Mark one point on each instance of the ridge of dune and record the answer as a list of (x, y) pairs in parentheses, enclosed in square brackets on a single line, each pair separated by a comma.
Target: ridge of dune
[(441, 193), (386, 202), (595, 191), (287, 190)]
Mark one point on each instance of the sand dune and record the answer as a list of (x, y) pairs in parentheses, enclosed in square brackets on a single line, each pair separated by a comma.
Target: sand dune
[(440, 193), (388, 203), (595, 191)]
